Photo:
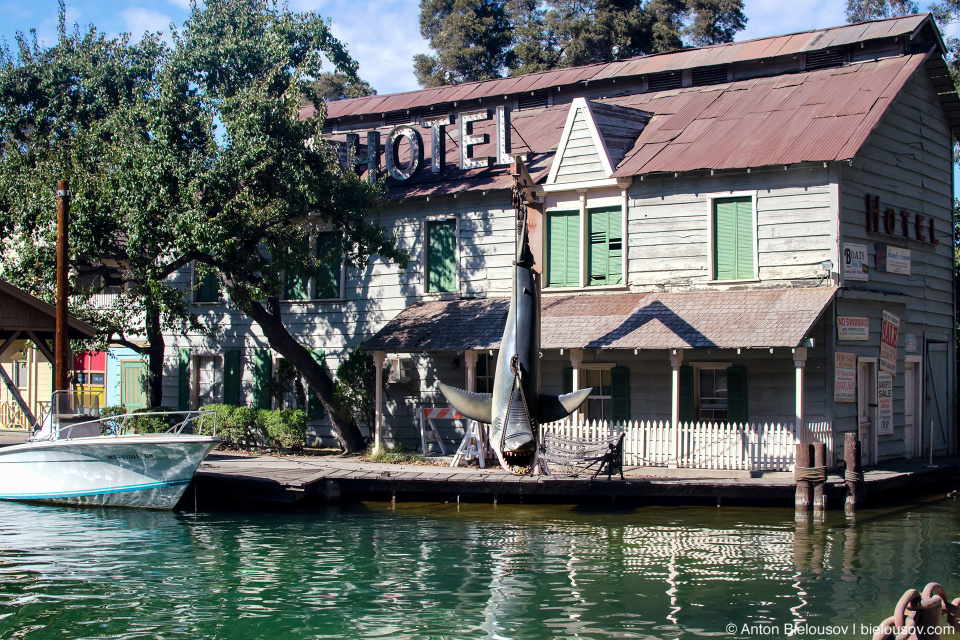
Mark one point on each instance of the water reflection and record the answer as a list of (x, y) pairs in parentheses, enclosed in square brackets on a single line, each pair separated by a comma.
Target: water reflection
[(433, 571)]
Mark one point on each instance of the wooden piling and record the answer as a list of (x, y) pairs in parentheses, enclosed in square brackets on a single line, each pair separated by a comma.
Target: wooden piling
[(853, 475), (820, 486), (61, 344), (804, 497)]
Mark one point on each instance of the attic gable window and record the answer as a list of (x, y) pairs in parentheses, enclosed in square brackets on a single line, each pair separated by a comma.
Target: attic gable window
[(665, 81), (533, 100), (710, 75), (825, 59)]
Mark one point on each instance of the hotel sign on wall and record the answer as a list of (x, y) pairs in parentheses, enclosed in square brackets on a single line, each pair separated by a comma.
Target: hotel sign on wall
[(889, 337), (853, 328), (909, 225)]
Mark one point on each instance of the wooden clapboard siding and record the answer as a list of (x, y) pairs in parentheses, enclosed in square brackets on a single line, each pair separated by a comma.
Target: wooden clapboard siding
[(669, 225), (907, 162), (581, 158)]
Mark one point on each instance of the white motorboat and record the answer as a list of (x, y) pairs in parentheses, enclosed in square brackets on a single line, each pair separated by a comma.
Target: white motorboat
[(69, 461)]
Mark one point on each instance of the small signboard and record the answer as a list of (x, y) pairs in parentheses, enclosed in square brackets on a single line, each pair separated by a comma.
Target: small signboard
[(845, 377), (884, 404), (893, 259), (889, 337), (910, 342), (853, 328), (855, 262)]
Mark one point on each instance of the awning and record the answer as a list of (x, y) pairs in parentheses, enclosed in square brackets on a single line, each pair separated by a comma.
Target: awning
[(22, 312), (755, 318)]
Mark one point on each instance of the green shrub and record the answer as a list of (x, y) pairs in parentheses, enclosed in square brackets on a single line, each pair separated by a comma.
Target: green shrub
[(113, 410), (397, 455), (142, 422), (286, 428), (237, 426)]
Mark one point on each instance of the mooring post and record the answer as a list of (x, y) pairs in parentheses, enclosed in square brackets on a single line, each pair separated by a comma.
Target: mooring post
[(853, 474), (801, 475), (820, 469)]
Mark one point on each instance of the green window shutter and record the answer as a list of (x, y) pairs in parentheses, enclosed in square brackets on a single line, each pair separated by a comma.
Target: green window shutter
[(183, 371), (314, 406), (231, 377), (737, 395), (296, 284), (330, 257), (262, 376), (563, 249), (688, 410), (733, 239), (442, 255), (606, 246), (745, 239), (620, 394), (568, 380), (207, 288)]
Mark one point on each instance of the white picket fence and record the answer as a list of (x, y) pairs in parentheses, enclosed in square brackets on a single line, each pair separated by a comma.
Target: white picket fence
[(705, 445)]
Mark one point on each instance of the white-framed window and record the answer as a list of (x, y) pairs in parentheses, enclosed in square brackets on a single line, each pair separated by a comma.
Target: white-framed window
[(20, 377), (441, 253), (585, 244), (713, 392), (207, 380), (599, 404), (733, 237)]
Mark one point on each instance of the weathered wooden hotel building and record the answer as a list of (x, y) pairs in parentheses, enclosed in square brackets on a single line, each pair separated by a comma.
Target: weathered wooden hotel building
[(752, 233)]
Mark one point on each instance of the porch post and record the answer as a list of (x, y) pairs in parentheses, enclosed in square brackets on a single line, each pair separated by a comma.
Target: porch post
[(676, 357), (378, 359), (470, 359), (799, 361), (576, 359)]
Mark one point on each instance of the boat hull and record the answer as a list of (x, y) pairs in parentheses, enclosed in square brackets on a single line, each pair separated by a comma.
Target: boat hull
[(146, 471)]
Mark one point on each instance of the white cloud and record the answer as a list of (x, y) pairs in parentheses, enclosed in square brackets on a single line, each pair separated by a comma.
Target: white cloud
[(182, 4), (138, 20), (381, 36)]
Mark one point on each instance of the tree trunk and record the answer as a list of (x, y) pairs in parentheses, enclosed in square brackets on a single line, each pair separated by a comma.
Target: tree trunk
[(154, 355), (280, 340)]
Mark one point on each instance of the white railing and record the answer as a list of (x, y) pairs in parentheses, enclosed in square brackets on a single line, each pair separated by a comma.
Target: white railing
[(705, 445), (12, 416)]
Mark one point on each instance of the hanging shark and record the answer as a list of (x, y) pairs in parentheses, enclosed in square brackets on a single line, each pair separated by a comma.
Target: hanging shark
[(516, 405)]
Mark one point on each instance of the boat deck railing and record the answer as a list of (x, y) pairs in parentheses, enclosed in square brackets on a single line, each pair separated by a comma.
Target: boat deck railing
[(69, 426)]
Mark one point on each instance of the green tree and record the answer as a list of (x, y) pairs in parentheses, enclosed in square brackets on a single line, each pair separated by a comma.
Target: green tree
[(471, 39), (70, 111), (338, 86), (355, 387), (482, 39), (862, 10), (252, 206)]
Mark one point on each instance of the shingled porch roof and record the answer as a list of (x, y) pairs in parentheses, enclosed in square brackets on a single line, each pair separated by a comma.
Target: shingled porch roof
[(701, 319)]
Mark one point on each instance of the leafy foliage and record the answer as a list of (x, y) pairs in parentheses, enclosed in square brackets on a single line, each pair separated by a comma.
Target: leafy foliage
[(482, 39), (338, 86), (862, 10), (286, 428), (237, 426), (355, 387)]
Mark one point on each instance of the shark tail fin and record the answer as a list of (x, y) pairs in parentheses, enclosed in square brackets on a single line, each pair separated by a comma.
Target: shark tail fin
[(553, 408), (476, 406)]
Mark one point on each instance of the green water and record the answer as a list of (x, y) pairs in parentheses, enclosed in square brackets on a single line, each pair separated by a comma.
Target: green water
[(433, 571)]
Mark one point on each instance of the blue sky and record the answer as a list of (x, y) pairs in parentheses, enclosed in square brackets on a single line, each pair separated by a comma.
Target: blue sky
[(383, 36)]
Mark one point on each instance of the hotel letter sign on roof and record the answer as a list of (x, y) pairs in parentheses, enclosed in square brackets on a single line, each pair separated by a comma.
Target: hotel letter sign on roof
[(401, 172)]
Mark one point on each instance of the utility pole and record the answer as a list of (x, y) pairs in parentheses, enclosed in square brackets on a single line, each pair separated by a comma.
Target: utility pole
[(61, 347)]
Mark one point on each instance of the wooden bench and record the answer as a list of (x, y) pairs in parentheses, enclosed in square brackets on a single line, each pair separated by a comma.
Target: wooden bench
[(575, 456)]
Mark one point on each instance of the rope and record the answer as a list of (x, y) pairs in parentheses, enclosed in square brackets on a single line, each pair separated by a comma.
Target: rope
[(852, 476), (816, 475)]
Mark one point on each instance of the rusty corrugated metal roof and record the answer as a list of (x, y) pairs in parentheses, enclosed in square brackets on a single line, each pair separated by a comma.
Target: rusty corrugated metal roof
[(825, 117), (684, 59), (761, 318)]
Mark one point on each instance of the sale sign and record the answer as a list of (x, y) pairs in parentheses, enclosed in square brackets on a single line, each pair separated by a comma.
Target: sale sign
[(889, 336)]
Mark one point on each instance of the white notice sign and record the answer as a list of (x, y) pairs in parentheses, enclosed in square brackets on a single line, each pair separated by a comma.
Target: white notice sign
[(845, 377), (884, 404), (910, 342), (898, 260), (854, 260), (853, 328)]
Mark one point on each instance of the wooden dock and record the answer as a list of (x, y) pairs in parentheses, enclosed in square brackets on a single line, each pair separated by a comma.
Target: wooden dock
[(229, 481)]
